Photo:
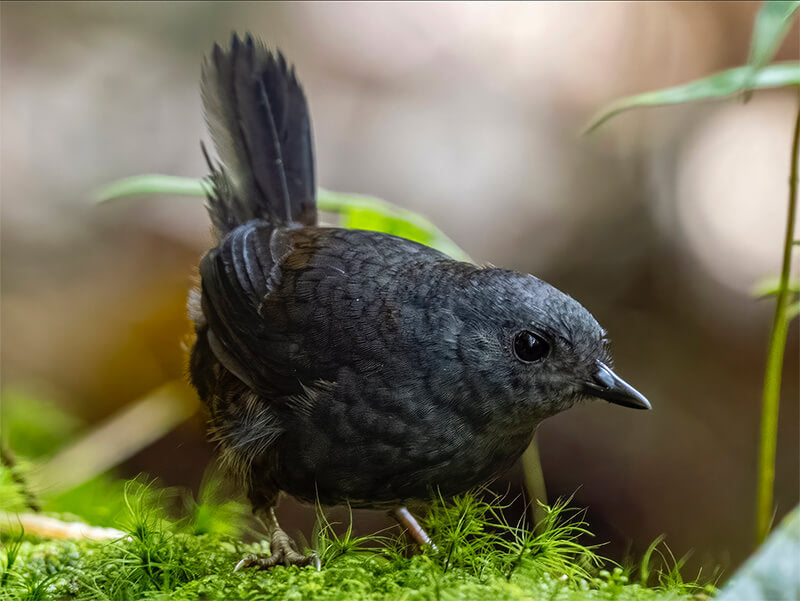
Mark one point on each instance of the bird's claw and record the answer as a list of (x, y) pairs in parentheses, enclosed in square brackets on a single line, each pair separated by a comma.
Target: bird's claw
[(283, 549), (246, 562), (280, 556)]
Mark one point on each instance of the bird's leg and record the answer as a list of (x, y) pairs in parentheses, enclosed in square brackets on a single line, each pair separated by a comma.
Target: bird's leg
[(410, 523), (283, 548)]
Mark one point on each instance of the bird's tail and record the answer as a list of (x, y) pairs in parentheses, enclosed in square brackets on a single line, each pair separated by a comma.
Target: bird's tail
[(259, 121)]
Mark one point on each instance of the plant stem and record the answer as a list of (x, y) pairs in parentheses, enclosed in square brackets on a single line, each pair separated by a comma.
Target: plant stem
[(534, 482), (772, 374)]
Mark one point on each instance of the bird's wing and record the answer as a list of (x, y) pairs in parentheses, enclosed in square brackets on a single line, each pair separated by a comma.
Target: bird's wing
[(288, 307), (237, 276)]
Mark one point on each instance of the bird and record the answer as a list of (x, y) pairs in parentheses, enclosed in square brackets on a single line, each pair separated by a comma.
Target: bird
[(344, 366)]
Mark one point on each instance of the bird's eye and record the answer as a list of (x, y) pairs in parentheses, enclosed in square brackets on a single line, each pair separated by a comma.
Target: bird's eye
[(530, 347)]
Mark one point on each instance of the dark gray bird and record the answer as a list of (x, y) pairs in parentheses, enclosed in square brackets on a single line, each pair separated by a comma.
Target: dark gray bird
[(357, 367)]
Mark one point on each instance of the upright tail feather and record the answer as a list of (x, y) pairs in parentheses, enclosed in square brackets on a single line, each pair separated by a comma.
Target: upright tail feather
[(259, 121)]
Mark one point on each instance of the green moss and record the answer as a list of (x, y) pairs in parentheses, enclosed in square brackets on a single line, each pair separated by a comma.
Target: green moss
[(191, 556), (33, 427)]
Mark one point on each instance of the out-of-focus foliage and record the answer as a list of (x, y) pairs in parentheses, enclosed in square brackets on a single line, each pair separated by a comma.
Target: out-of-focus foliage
[(772, 24), (770, 287), (98, 501), (215, 510), (35, 428), (12, 496), (153, 184), (718, 85), (773, 21), (355, 211)]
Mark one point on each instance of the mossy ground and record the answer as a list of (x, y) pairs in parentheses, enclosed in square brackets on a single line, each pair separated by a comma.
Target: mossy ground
[(479, 556), (200, 568)]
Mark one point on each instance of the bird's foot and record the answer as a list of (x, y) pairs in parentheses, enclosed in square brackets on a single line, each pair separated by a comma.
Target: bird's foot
[(283, 552), (410, 523)]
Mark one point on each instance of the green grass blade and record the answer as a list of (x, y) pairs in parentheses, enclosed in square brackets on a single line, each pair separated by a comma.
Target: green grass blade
[(772, 23), (718, 85), (534, 481), (153, 184), (771, 286), (356, 211), (370, 213)]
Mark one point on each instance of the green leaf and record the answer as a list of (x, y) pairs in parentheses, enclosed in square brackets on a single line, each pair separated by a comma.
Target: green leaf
[(153, 184), (355, 211), (370, 213), (718, 85), (770, 286), (772, 23)]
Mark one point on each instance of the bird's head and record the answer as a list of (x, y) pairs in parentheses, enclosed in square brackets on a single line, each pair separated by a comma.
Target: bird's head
[(541, 347)]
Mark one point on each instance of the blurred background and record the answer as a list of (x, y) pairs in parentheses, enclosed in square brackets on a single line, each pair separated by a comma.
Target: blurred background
[(661, 223)]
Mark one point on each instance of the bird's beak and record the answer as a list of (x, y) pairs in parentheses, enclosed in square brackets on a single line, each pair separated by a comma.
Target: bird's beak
[(607, 385)]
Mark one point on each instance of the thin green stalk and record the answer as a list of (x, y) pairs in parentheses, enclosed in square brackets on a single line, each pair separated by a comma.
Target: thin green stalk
[(773, 372), (534, 482)]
